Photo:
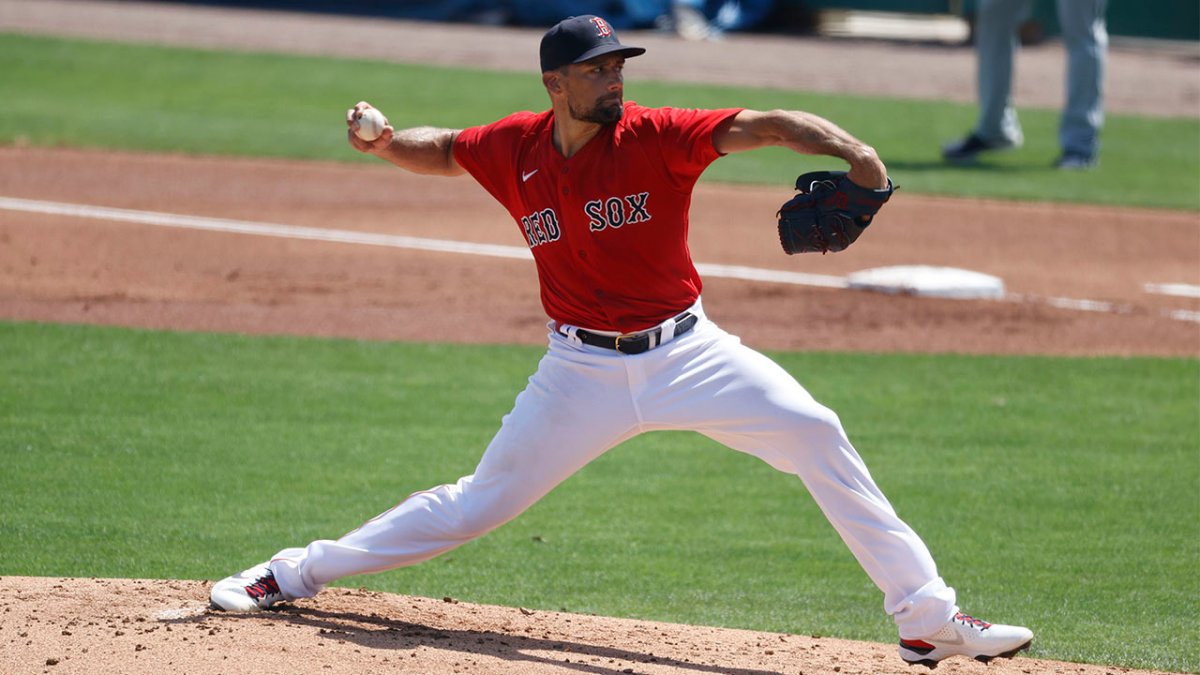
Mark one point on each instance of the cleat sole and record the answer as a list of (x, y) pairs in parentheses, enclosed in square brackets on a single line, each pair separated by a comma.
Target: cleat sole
[(983, 658), (1005, 655)]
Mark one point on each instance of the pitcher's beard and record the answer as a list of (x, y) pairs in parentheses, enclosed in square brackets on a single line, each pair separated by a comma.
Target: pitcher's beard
[(604, 112)]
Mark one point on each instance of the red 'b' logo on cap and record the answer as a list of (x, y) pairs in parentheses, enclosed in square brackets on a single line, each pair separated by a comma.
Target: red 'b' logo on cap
[(602, 29)]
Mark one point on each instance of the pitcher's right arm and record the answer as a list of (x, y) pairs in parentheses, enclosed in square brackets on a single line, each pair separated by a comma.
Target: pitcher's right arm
[(427, 150)]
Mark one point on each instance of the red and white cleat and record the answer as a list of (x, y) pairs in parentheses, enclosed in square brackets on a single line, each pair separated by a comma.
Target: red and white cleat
[(967, 636)]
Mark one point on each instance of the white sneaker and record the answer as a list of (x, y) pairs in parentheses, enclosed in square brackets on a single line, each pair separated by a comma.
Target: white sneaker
[(250, 591), (967, 636)]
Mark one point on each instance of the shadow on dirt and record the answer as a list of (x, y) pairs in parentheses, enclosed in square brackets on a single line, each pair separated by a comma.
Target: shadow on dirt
[(373, 631)]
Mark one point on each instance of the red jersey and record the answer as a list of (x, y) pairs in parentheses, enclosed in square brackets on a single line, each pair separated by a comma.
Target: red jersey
[(607, 227)]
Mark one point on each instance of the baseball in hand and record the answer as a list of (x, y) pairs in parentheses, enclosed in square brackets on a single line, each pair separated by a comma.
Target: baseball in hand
[(370, 125)]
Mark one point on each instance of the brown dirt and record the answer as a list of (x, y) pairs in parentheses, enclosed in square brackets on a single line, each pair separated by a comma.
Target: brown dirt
[(55, 268), (135, 626), (58, 268)]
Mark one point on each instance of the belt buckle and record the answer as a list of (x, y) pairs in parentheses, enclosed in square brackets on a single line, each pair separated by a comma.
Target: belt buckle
[(632, 338), (617, 341)]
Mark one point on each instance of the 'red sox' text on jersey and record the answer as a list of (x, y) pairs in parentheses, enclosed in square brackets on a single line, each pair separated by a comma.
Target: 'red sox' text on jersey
[(610, 245)]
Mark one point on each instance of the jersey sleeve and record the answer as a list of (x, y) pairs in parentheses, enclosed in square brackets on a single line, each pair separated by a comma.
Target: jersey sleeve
[(486, 152), (685, 138)]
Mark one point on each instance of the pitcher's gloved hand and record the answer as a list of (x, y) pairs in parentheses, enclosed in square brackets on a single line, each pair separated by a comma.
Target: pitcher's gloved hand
[(829, 214)]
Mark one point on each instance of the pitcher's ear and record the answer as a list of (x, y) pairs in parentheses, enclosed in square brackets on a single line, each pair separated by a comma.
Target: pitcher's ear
[(552, 80)]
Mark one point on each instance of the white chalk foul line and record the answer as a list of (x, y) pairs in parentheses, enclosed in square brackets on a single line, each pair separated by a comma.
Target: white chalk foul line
[(1179, 290), (447, 246), (352, 237), (263, 229), (759, 274)]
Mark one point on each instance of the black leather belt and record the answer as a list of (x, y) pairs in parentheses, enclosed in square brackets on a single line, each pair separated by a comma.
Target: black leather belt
[(636, 343)]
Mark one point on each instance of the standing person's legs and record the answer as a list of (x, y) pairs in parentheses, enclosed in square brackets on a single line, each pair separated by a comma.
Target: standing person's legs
[(996, 24), (997, 126), (575, 407), (1085, 38)]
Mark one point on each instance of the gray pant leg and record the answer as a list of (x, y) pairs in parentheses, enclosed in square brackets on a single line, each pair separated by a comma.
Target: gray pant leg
[(1085, 37), (996, 26)]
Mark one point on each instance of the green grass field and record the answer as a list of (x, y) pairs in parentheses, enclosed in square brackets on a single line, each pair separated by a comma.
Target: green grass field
[(1059, 493), (1055, 492), (64, 92)]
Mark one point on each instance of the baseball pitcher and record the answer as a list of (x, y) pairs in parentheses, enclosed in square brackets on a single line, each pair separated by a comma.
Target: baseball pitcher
[(599, 189)]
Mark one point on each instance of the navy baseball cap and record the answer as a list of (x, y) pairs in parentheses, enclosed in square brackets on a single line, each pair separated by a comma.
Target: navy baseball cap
[(579, 38)]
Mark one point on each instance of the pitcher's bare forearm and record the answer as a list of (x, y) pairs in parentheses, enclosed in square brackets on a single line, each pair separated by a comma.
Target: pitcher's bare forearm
[(804, 133), (427, 150)]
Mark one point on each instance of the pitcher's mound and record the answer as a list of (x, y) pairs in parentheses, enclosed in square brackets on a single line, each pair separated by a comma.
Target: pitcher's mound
[(154, 626)]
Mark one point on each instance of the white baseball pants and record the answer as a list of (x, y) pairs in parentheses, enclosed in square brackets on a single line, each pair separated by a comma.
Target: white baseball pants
[(585, 400)]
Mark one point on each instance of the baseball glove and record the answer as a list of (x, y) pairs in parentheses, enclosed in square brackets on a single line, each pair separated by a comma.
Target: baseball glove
[(829, 214)]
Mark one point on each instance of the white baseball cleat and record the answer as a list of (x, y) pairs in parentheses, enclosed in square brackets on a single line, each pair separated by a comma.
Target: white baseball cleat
[(967, 636), (251, 591)]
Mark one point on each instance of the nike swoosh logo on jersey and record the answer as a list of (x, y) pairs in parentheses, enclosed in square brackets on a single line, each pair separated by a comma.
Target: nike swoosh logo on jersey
[(526, 176)]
